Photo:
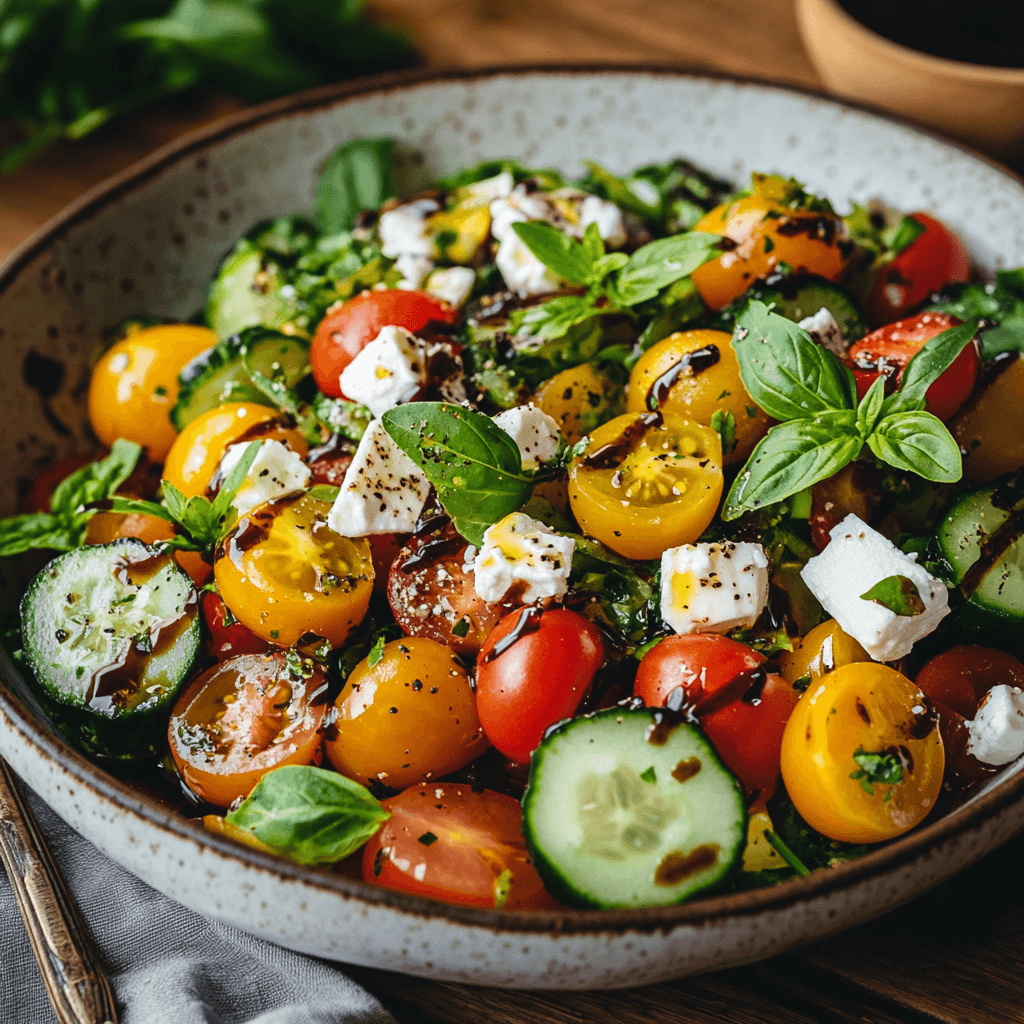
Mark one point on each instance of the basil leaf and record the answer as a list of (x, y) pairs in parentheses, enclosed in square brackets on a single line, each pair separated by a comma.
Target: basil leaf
[(785, 372), (554, 318), (906, 232), (870, 407), (660, 263), (97, 480), (593, 251), (229, 487), (897, 593), (557, 251), (474, 465), (793, 456), (919, 443), (358, 176), (310, 815), (1002, 302), (927, 366), (38, 531)]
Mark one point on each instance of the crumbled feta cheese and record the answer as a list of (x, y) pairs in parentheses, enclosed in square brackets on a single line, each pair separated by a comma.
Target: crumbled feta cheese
[(413, 270), (608, 218), (404, 229), (522, 205), (824, 329), (535, 433), (390, 370), (452, 284), (712, 588), (276, 470), (525, 557), (384, 491), (486, 191), (522, 271), (997, 732), (856, 559)]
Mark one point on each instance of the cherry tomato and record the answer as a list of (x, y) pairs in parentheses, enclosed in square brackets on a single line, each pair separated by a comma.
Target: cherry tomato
[(580, 399), (764, 233), (934, 259), (740, 703), (851, 490), (343, 333), (228, 636), (890, 348), (37, 498), (843, 720), (534, 670), (284, 573), (992, 442), (647, 482), (135, 384), (241, 719), (450, 843), (696, 375), (407, 718), (384, 549), (824, 649)]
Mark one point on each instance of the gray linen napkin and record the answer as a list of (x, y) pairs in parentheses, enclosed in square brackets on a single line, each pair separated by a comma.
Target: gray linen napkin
[(168, 965)]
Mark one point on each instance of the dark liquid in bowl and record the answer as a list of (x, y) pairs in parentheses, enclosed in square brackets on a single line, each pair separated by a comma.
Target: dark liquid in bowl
[(973, 31)]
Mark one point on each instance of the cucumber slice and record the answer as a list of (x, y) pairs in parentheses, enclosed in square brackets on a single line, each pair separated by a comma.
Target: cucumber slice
[(110, 633), (246, 293), (627, 808), (982, 539), (221, 374)]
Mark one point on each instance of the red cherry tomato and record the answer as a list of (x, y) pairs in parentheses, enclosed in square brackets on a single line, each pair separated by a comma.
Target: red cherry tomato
[(343, 333), (536, 681), (890, 348), (384, 548), (744, 713), (934, 259), (450, 843), (228, 636)]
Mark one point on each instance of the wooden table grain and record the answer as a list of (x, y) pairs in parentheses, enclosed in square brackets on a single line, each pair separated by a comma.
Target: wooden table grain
[(955, 956)]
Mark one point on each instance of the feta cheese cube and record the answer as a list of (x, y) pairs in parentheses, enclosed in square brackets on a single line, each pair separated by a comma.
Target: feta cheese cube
[(384, 491), (414, 270), (522, 271), (489, 189), (608, 218), (390, 370), (521, 205), (824, 329), (712, 588), (997, 732), (404, 229), (452, 284), (535, 433), (856, 559), (276, 470), (522, 559)]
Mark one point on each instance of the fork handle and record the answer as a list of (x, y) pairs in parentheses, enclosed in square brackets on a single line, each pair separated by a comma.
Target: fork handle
[(75, 982)]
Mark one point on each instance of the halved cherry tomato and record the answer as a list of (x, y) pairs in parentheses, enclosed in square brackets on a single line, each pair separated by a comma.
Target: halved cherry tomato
[(740, 702), (241, 719), (384, 549), (647, 482), (889, 349), (343, 333), (934, 259), (450, 843), (533, 671), (851, 490), (823, 650), (228, 636)]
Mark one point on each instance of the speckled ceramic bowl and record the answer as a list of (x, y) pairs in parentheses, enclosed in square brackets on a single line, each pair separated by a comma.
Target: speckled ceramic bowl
[(148, 241)]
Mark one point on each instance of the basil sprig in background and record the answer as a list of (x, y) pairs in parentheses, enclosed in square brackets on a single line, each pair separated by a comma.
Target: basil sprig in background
[(822, 427)]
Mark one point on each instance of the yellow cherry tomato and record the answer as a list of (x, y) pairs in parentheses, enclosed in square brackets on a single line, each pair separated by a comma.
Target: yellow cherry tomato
[(579, 400), (647, 482), (135, 384), (862, 756), (824, 649), (284, 573), (764, 233), (408, 718), (196, 454), (695, 374), (759, 854)]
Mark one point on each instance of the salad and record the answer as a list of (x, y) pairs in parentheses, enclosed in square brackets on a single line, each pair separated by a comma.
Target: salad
[(525, 542)]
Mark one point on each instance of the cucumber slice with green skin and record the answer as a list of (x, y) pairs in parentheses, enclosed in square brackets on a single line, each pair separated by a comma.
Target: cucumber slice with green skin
[(221, 374), (629, 808), (246, 293), (111, 632), (982, 539)]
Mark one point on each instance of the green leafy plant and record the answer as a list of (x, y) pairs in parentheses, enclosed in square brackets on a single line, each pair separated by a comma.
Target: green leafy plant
[(1001, 302), (822, 427), (882, 768), (310, 815), (897, 593), (63, 528), (360, 175)]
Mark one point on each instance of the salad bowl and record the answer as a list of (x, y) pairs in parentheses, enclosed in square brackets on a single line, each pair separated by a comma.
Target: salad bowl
[(149, 239)]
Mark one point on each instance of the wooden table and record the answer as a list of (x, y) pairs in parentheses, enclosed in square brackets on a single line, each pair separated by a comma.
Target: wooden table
[(952, 956)]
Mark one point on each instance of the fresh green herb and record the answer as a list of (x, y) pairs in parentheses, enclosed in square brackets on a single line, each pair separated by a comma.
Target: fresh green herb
[(299, 667), (649, 775), (813, 849), (769, 642), (897, 593), (63, 528), (376, 651), (274, 633), (1001, 303), (310, 815), (881, 768), (907, 230), (780, 847), (801, 684), (427, 839), (461, 628), (473, 464), (502, 888), (359, 176), (725, 423)]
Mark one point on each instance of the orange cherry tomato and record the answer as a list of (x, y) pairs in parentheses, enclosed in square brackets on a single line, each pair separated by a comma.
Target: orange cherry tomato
[(450, 843), (241, 719)]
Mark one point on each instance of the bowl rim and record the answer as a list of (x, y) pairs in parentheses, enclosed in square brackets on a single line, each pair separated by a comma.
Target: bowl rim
[(701, 913), (991, 73)]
